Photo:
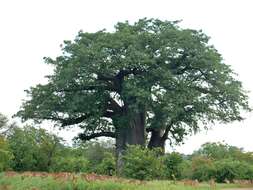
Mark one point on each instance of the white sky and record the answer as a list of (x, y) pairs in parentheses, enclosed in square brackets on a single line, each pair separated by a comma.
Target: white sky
[(32, 29)]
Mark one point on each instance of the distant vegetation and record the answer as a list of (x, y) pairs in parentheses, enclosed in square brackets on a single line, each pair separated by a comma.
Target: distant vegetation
[(34, 149)]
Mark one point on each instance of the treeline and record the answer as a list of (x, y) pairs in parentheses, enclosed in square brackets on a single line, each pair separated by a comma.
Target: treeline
[(213, 161), (34, 149)]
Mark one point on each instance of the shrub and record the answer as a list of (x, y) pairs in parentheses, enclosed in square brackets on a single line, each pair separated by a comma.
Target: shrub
[(5, 154), (33, 148), (108, 165), (229, 169), (185, 168), (203, 168), (249, 173), (141, 163), (172, 162), (95, 152), (70, 164), (225, 170)]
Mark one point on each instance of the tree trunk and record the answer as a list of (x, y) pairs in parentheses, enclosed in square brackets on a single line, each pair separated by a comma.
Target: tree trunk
[(131, 134), (157, 140), (121, 134), (135, 134)]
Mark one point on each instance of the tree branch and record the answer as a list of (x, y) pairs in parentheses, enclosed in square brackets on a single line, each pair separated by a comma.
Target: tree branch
[(108, 114), (206, 91), (125, 72), (179, 118), (67, 121), (73, 121), (167, 130), (104, 78), (113, 105), (85, 137), (88, 88)]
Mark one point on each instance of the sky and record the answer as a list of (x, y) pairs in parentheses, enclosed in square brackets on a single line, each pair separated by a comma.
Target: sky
[(33, 29)]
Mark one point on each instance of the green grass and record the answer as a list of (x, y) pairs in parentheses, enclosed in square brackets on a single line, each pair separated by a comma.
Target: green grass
[(48, 183)]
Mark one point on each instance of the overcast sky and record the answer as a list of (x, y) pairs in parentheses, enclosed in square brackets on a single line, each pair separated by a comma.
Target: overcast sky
[(33, 29)]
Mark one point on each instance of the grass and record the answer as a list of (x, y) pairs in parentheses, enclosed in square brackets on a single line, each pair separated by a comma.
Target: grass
[(49, 182)]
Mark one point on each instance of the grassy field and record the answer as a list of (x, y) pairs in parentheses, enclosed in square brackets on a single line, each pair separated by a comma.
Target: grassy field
[(67, 181)]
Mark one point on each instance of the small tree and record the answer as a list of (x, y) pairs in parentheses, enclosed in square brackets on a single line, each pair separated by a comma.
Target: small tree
[(5, 126), (33, 149)]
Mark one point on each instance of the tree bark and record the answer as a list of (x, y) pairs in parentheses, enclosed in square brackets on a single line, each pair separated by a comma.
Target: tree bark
[(158, 139), (121, 144), (133, 133), (136, 130)]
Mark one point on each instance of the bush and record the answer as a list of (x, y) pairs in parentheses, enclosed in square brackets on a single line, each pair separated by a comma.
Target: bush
[(108, 165), (229, 169), (96, 151), (203, 168), (249, 173), (5, 154), (70, 164), (185, 169), (225, 170), (33, 148), (141, 163), (172, 162)]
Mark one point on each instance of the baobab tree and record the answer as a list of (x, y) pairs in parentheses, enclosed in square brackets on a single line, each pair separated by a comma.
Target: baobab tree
[(148, 77)]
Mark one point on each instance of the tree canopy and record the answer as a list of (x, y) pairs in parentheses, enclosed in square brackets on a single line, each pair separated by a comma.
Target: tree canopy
[(148, 77)]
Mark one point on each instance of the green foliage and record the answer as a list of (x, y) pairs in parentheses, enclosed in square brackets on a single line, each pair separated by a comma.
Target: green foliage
[(218, 151), (143, 164), (5, 125), (70, 164), (96, 151), (5, 154), (172, 163), (5, 151), (103, 79), (203, 168), (108, 165), (213, 150), (228, 169), (33, 149), (221, 162), (185, 169)]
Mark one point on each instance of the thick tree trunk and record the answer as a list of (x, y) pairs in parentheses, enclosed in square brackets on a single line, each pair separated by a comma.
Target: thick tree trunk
[(135, 134), (158, 139), (121, 134), (131, 134)]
